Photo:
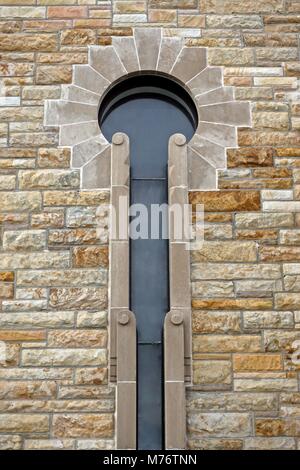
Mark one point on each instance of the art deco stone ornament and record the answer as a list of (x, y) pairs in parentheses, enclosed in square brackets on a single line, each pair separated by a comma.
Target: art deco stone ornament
[(76, 113)]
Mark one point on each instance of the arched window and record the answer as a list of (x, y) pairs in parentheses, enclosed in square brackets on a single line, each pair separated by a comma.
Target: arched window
[(149, 108)]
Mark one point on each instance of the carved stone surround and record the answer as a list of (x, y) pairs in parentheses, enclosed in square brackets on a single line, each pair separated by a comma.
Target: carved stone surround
[(76, 113)]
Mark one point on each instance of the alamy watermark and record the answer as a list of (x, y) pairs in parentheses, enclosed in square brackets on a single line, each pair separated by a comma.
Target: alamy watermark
[(177, 222)]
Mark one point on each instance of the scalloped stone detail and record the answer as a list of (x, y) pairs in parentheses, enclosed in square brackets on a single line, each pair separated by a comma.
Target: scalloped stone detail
[(76, 113)]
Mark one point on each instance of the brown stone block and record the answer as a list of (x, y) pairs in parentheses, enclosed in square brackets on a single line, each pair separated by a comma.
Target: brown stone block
[(91, 256), (22, 335), (77, 338), (46, 25), (180, 4), (216, 322), (162, 16), (48, 219), (115, 32), (12, 355), (214, 444), (260, 138), (217, 217), (277, 427), (226, 200), (287, 301), (75, 198), (78, 236), (292, 69), (250, 183), (226, 343), (225, 251), (257, 362), (232, 304), (83, 425)]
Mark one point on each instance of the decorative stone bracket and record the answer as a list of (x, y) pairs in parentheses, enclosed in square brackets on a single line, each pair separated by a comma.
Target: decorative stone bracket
[(76, 113)]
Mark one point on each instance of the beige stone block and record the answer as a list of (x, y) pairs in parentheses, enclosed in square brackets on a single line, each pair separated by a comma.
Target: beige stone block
[(52, 278), (45, 259), (273, 319), (226, 343), (92, 319), (49, 444), (265, 385), (259, 220), (27, 390), (76, 198), (64, 357), (256, 362), (212, 289), (30, 240), (91, 376), (20, 201), (10, 442), (278, 340), (269, 443), (83, 425), (25, 423), (225, 251), (216, 322), (37, 320), (231, 401), (77, 338), (210, 373), (224, 271)]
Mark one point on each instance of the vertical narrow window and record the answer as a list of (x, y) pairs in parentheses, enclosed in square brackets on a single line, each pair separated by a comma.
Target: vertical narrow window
[(149, 109)]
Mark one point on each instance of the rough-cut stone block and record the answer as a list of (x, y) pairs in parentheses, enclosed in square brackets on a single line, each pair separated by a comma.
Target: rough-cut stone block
[(225, 251), (90, 256), (24, 423), (64, 357), (212, 373), (226, 343), (257, 362), (273, 319), (77, 297), (77, 338), (219, 424), (52, 278), (27, 390), (83, 425), (31, 240), (20, 201), (221, 201), (37, 320)]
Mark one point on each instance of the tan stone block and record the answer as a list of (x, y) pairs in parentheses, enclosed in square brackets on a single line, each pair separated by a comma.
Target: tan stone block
[(10, 442), (248, 157), (216, 322), (259, 320), (212, 289), (78, 298), (7, 276), (215, 444), (6, 290), (191, 21), (278, 340), (162, 16), (77, 338), (44, 179), (268, 120), (231, 56), (256, 362), (28, 42), (25, 423), (67, 11), (225, 251), (235, 271), (212, 373), (219, 424), (92, 319), (227, 343), (22, 335), (231, 401), (261, 384), (235, 6), (86, 392), (75, 236), (269, 443), (11, 355), (49, 444), (129, 7), (37, 320), (78, 37), (48, 219), (277, 427), (95, 444), (54, 158), (91, 376), (260, 220), (75, 198), (226, 200), (26, 390), (85, 425), (24, 240), (64, 357), (16, 114), (54, 278), (90, 256)]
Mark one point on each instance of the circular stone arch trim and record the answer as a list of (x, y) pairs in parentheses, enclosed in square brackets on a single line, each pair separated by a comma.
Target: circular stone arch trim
[(148, 50)]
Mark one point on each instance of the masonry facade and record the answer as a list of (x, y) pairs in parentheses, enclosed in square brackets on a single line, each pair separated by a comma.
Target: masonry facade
[(55, 390)]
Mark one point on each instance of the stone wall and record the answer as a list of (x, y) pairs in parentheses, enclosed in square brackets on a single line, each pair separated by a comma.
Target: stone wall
[(54, 388)]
